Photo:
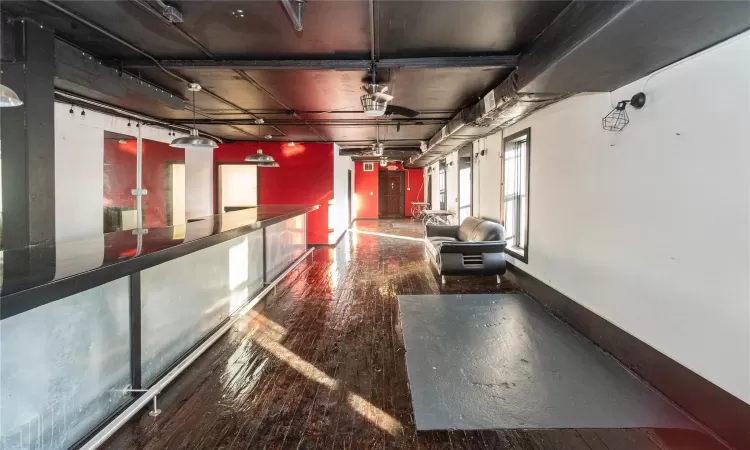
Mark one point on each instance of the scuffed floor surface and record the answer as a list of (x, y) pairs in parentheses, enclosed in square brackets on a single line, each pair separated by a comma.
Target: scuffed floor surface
[(320, 364)]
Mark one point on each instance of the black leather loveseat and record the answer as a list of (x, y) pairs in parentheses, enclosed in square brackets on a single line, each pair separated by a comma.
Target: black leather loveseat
[(473, 248)]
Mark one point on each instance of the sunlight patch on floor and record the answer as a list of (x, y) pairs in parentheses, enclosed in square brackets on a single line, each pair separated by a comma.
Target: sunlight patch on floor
[(394, 236), (370, 412)]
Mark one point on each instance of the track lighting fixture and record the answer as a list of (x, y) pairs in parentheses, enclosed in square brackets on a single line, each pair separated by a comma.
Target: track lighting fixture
[(128, 122), (292, 144), (137, 124), (83, 113), (71, 110)]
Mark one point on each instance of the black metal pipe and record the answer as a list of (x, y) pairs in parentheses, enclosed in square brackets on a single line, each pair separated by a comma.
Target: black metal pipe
[(135, 331), (119, 40)]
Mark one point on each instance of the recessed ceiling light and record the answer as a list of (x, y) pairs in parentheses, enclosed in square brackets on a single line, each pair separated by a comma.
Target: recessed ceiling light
[(239, 11), (268, 136)]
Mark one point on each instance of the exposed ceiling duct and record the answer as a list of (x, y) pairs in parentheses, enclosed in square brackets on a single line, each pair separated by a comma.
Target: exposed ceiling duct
[(590, 47)]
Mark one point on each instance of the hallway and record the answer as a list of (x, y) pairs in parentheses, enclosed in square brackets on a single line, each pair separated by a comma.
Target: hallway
[(320, 364)]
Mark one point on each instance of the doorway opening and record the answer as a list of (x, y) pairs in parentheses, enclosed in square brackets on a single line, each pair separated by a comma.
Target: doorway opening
[(236, 187), (391, 194)]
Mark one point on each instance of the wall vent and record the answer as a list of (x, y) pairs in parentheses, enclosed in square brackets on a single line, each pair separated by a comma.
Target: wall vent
[(368, 166)]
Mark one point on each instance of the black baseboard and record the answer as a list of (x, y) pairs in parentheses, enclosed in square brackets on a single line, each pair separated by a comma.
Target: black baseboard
[(718, 410)]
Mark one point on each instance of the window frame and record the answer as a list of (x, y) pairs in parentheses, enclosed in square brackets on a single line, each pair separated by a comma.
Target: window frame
[(509, 140), (465, 152), (442, 191)]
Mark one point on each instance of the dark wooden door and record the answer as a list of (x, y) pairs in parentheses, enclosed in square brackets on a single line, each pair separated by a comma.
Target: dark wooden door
[(391, 194)]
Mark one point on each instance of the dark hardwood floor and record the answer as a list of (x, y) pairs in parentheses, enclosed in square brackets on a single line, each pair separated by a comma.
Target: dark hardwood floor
[(320, 364)]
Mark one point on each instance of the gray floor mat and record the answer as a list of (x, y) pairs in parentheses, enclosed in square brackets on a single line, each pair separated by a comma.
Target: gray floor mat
[(502, 361)]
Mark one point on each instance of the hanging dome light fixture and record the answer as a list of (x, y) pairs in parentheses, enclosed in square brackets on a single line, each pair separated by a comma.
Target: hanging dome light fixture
[(8, 97), (194, 140), (260, 159)]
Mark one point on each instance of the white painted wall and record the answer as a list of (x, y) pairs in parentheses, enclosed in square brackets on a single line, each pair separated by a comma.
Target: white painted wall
[(199, 189), (487, 175), (79, 171), (338, 218), (650, 227), (451, 184)]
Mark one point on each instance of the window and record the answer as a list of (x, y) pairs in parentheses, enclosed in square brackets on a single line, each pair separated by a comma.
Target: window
[(368, 167), (516, 193), (441, 185), (464, 182)]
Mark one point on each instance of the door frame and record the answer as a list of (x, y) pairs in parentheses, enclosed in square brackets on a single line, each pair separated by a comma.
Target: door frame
[(402, 194), (217, 184), (349, 194), (168, 182), (428, 194)]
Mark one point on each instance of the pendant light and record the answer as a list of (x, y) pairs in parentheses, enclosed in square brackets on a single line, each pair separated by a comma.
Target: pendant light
[(194, 140), (259, 158), (8, 97)]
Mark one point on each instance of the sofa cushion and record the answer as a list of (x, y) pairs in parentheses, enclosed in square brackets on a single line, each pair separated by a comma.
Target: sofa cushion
[(435, 239), (487, 230), (466, 230)]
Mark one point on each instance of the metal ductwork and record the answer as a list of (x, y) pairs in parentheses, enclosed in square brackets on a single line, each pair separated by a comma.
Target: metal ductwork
[(591, 47)]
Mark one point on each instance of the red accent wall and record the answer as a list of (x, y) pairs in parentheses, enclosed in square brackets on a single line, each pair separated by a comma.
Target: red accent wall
[(157, 156), (305, 176), (120, 177), (366, 182), (119, 173)]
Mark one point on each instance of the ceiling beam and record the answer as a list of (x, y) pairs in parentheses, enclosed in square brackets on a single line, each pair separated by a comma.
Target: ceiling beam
[(432, 62), (403, 151), (332, 122)]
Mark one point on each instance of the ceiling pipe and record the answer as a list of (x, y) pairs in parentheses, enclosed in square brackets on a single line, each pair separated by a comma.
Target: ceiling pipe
[(114, 110), (121, 41), (600, 53), (295, 12)]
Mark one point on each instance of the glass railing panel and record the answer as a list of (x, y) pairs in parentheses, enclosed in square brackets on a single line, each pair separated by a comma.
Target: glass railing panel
[(285, 242), (63, 366), (183, 300)]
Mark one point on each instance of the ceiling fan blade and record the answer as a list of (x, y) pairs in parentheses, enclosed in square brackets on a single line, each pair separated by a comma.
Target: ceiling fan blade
[(401, 111), (380, 97)]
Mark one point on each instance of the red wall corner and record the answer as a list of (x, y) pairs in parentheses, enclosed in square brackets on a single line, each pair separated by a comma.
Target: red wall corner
[(365, 192), (367, 205), (304, 176)]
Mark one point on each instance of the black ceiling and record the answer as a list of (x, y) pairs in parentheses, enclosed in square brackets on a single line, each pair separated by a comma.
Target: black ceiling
[(333, 30)]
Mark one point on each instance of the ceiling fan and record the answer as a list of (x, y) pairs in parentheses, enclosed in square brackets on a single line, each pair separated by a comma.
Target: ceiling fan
[(376, 103)]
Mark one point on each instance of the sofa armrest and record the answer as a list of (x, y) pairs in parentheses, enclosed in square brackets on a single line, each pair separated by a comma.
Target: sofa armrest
[(473, 248), (442, 231)]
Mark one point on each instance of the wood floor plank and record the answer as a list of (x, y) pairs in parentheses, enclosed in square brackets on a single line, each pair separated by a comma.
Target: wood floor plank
[(320, 364)]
